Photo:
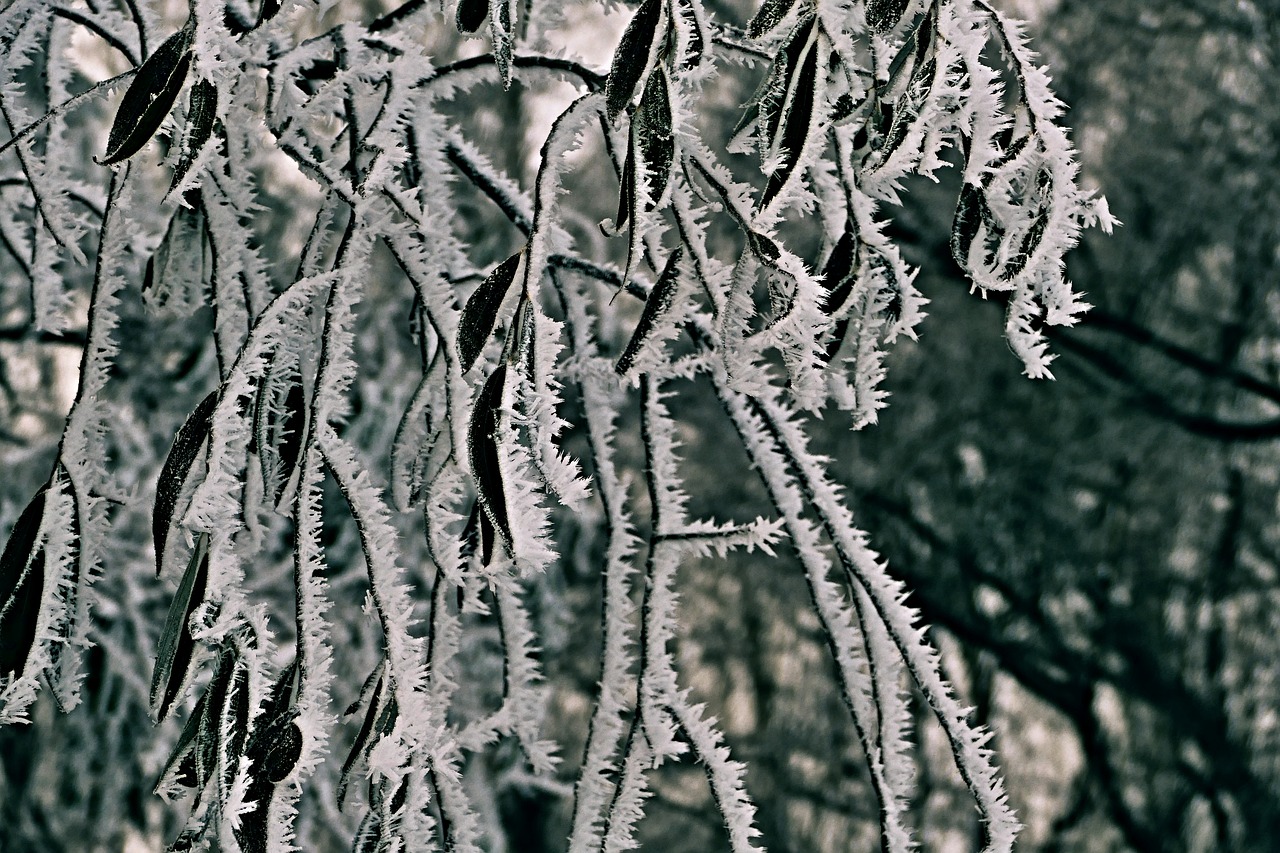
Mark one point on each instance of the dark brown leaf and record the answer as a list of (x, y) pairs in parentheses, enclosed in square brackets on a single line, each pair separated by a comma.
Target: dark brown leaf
[(655, 308), (176, 470), (484, 453), (769, 15), (471, 15), (884, 15), (631, 58), (174, 653), (21, 586), (480, 314), (654, 142), (799, 112), (150, 97), (202, 110)]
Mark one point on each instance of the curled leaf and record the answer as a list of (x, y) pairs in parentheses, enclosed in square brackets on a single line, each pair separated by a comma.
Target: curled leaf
[(500, 31), (480, 314), (655, 308), (631, 58), (149, 97), (174, 653), (484, 453), (21, 586), (176, 470), (967, 221)]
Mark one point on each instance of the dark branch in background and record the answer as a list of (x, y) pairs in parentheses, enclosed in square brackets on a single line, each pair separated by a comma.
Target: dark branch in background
[(77, 338), (98, 30)]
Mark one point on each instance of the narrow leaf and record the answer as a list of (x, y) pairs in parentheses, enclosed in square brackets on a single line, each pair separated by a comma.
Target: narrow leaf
[(799, 117), (655, 308), (840, 271), (21, 586), (481, 312), (654, 141), (150, 97), (968, 218), (174, 653), (177, 467), (769, 15), (631, 58), (500, 31), (884, 15), (483, 449), (200, 115), (362, 738)]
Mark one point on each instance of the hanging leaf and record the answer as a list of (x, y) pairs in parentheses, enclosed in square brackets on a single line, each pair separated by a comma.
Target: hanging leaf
[(268, 10), (631, 58), (66, 629), (1030, 242), (150, 97), (652, 131), (841, 270), (484, 453), (202, 110), (768, 16), (480, 314), (359, 746), (655, 308), (176, 470), (884, 15), (235, 722), (182, 761), (280, 423), (799, 112), (626, 192), (174, 653), (967, 221), (21, 586), (471, 15), (500, 30), (694, 23)]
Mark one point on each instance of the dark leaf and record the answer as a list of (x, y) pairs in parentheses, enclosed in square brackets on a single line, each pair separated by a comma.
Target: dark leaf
[(470, 533), (631, 58), (471, 15), (652, 131), (799, 116), (173, 655), (840, 271), (283, 749), (177, 467), (268, 10), (483, 449), (838, 332), (968, 218), (655, 308), (234, 722), (884, 15), (200, 115), (487, 538), (769, 15), (697, 47), (362, 737), (150, 97), (480, 314), (1030, 242), (21, 586), (183, 757), (626, 189)]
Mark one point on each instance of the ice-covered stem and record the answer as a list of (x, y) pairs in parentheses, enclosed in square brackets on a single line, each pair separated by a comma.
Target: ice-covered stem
[(886, 595)]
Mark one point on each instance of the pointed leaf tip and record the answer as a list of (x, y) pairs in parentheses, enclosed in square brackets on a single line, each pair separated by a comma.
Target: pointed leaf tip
[(149, 97)]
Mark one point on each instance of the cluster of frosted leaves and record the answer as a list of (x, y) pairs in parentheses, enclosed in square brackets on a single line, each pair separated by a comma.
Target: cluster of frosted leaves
[(854, 98)]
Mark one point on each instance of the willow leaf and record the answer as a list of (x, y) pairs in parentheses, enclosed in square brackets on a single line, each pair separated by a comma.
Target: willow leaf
[(21, 586), (484, 453), (150, 97), (631, 58), (884, 15), (480, 314), (176, 470), (202, 111), (655, 143), (769, 15), (174, 653), (655, 308)]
